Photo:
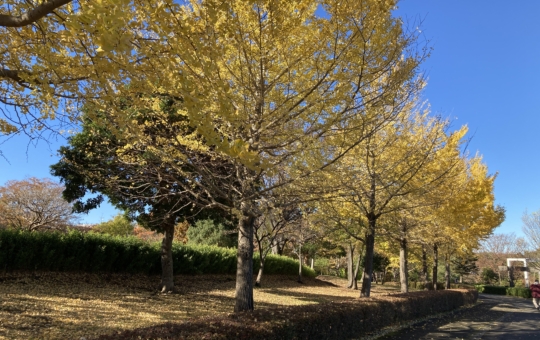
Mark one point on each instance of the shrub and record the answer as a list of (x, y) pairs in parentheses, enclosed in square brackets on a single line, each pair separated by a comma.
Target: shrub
[(500, 290), (519, 291), (429, 286), (92, 252), (336, 320), (277, 264), (488, 276)]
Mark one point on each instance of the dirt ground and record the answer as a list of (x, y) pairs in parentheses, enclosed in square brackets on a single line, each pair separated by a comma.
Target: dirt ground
[(76, 306)]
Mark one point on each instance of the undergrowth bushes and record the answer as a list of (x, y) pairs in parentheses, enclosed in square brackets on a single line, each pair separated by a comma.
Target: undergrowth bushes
[(500, 290), (89, 252), (336, 320)]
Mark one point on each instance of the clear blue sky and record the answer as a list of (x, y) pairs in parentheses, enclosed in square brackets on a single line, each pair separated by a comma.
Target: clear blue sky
[(484, 70)]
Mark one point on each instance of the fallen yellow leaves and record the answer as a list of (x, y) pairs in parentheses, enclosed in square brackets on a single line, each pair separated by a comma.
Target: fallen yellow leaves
[(71, 305)]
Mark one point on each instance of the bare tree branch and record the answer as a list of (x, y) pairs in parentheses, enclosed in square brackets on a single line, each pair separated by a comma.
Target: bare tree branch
[(32, 15)]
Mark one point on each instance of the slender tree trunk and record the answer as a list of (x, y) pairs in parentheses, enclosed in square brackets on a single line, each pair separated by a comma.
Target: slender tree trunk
[(435, 264), (424, 267), (300, 264), (167, 273), (403, 270), (262, 259), (356, 269), (368, 263), (446, 271), (350, 260), (275, 247), (244, 265)]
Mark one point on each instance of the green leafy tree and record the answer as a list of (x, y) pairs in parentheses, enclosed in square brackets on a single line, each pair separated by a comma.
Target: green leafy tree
[(464, 265), (212, 233), (119, 225), (488, 276), (149, 189)]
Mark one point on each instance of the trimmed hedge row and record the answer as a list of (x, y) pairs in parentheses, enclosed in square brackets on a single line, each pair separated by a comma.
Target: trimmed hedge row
[(90, 252), (422, 286), (440, 286), (338, 320), (500, 290)]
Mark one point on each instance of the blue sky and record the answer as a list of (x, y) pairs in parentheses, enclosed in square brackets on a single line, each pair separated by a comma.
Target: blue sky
[(484, 71)]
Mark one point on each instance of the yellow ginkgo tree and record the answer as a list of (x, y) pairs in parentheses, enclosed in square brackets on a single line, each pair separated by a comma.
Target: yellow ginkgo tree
[(266, 87), (411, 156), (467, 217)]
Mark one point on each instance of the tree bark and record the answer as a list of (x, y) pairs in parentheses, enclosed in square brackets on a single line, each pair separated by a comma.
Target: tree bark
[(244, 265), (167, 273), (435, 264), (446, 272), (368, 262), (356, 269), (39, 11), (261, 269), (424, 267), (350, 269), (403, 270), (300, 264)]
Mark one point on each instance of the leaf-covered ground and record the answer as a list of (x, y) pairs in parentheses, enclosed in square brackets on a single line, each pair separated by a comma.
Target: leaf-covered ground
[(72, 306)]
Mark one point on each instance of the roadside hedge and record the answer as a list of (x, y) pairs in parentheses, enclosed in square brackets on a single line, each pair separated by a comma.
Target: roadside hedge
[(90, 252), (422, 286), (500, 290), (337, 320)]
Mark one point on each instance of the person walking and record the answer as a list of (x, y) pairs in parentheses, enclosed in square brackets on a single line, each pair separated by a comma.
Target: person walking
[(535, 291)]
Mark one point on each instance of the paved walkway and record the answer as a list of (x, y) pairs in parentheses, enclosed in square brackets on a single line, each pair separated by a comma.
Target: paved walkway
[(495, 317)]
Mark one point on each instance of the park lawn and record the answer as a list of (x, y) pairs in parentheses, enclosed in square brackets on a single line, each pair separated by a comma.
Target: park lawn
[(72, 306)]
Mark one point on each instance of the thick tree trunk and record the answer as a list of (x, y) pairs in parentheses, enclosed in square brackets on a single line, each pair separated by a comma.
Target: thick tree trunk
[(244, 265), (167, 273), (435, 265), (368, 263), (350, 269), (403, 266), (424, 267)]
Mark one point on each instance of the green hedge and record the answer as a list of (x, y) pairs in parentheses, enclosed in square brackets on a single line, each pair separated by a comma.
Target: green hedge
[(519, 291), (336, 320), (89, 252), (500, 290)]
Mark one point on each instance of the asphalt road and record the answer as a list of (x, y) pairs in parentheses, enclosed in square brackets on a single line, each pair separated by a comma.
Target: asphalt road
[(494, 317)]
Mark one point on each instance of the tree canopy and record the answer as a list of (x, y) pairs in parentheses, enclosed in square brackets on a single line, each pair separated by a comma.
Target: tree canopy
[(34, 204)]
